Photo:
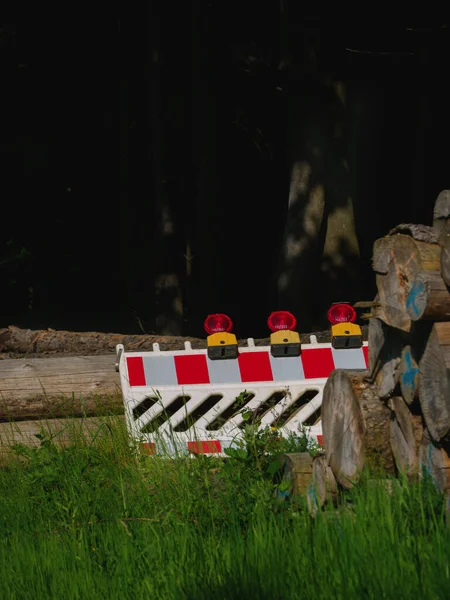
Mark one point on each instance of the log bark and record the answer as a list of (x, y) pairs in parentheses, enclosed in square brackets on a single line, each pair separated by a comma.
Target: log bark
[(409, 283), (16, 341), (27, 341), (420, 233), (406, 432), (355, 427), (434, 382), (441, 211), (434, 461)]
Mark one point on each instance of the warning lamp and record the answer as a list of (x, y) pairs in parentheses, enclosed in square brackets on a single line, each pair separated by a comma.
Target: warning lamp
[(281, 319), (221, 343), (344, 332), (283, 340)]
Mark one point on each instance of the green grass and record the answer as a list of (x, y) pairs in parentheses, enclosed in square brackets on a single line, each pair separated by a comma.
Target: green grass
[(91, 521)]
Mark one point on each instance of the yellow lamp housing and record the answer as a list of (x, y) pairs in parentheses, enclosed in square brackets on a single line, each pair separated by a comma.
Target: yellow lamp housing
[(222, 345), (346, 335), (285, 342)]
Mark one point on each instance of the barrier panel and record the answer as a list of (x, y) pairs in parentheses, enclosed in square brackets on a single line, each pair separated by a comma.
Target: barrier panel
[(180, 402)]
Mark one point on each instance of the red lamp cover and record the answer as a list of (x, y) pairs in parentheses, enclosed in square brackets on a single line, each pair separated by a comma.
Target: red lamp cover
[(341, 313), (218, 323), (281, 320)]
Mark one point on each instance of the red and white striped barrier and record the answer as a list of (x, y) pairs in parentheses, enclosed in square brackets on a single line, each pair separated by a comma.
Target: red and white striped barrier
[(183, 401)]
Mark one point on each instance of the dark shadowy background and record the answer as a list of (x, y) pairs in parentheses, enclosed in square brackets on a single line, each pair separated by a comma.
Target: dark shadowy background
[(146, 156)]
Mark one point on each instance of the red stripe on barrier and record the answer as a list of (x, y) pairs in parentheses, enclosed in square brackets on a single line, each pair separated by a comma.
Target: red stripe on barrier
[(191, 369), (136, 374), (208, 447), (255, 366), (148, 448), (317, 363), (366, 355)]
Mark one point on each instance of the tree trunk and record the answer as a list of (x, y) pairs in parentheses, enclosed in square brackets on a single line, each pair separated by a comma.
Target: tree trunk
[(434, 382), (406, 431), (409, 283), (14, 340), (355, 427), (168, 236), (434, 461), (27, 341)]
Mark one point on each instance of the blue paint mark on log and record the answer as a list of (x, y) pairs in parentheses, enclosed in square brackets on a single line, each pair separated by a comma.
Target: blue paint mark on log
[(284, 493), (408, 378), (417, 289)]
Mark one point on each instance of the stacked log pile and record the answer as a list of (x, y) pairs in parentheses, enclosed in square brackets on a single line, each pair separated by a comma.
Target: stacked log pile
[(397, 415)]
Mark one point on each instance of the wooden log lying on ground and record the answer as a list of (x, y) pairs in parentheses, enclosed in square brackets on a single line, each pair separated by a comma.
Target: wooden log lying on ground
[(62, 432), (405, 432), (409, 281), (355, 426), (27, 341), (16, 341), (434, 382), (309, 476), (59, 387)]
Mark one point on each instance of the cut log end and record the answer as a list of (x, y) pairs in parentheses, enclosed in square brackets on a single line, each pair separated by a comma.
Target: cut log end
[(406, 432), (411, 287), (434, 382), (444, 242), (434, 462), (441, 211), (355, 428), (409, 375)]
